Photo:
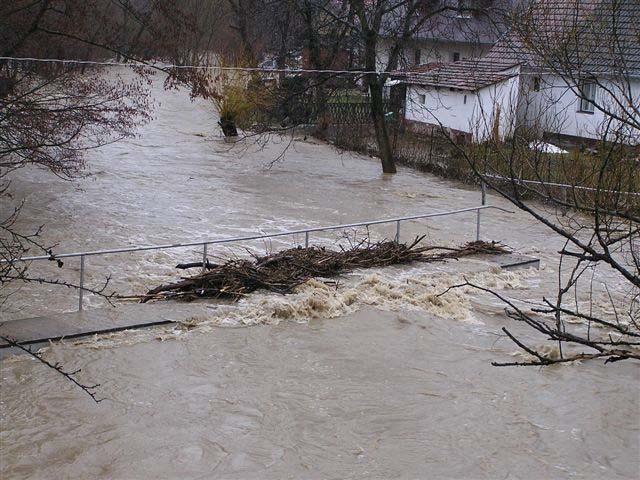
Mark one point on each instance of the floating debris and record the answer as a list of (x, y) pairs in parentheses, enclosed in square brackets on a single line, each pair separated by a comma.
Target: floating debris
[(281, 272)]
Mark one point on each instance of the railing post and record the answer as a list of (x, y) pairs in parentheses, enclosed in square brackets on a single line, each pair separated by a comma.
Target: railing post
[(306, 239), (204, 258), (483, 189), (81, 289), (398, 231), (564, 208)]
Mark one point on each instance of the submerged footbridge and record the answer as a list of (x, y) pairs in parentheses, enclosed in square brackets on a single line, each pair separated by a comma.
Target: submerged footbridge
[(84, 323)]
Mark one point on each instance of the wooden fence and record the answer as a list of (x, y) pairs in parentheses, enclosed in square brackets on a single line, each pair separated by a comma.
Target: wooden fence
[(350, 113)]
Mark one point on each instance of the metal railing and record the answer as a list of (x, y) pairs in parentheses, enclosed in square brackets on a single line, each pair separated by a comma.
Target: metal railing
[(521, 181), (205, 243)]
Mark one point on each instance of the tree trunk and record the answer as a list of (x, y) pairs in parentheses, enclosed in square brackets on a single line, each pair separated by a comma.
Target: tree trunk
[(243, 10), (228, 126), (382, 134)]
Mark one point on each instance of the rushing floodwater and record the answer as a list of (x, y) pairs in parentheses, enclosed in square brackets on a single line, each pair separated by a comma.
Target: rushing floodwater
[(378, 378)]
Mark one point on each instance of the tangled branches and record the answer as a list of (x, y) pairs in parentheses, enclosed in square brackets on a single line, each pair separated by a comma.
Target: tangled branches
[(71, 376), (618, 341), (285, 270)]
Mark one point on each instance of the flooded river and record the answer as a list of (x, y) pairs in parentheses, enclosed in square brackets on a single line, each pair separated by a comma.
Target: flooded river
[(375, 378), (179, 181)]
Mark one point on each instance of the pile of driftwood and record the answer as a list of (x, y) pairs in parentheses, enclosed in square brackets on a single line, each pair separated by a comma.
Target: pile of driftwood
[(283, 271)]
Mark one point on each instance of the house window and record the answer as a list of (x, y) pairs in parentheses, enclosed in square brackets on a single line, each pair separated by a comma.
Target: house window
[(455, 56), (536, 84), (417, 58), (463, 9), (588, 90), (422, 99)]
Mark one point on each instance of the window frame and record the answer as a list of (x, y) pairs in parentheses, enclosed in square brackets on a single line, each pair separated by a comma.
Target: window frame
[(587, 102), (462, 9), (536, 84)]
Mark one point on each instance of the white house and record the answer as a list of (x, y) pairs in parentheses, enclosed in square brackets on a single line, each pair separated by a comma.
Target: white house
[(473, 96), (593, 92), (554, 104)]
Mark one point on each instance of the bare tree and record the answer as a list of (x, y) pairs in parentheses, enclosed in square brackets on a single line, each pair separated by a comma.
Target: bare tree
[(587, 52), (52, 113), (397, 20), (383, 30)]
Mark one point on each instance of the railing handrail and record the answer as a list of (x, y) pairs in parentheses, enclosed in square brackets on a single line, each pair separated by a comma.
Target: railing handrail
[(251, 237), (561, 185)]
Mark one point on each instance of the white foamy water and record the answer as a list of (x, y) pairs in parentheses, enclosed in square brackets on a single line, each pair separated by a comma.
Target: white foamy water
[(378, 377)]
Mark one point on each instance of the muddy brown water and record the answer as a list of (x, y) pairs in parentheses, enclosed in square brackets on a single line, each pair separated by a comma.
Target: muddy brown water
[(371, 395), (377, 378)]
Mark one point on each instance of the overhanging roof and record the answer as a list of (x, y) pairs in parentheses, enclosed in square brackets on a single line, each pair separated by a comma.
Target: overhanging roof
[(471, 75)]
